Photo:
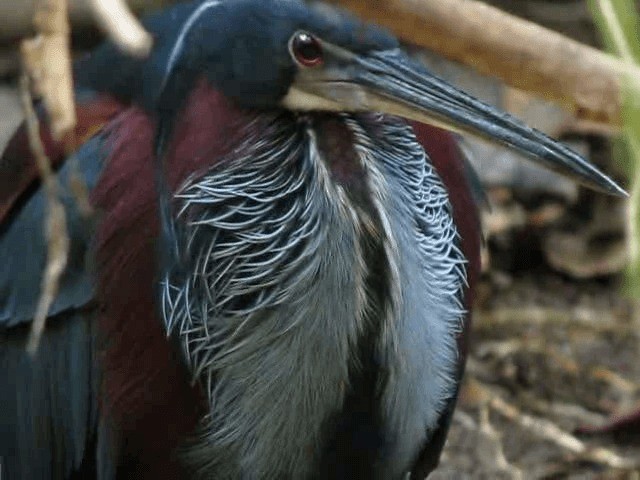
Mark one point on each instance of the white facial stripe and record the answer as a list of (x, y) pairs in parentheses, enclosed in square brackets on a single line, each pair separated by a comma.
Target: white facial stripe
[(188, 25)]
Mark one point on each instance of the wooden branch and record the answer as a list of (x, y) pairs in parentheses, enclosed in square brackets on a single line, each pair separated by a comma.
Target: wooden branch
[(119, 23), (16, 17), (47, 61), (520, 53), (55, 225), (543, 428)]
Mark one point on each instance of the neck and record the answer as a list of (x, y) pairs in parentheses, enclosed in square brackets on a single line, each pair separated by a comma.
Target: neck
[(298, 316)]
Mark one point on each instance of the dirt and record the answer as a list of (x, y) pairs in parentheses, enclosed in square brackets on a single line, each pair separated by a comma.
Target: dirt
[(562, 354)]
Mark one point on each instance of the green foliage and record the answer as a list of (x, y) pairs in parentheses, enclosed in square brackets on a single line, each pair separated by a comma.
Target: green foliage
[(619, 24)]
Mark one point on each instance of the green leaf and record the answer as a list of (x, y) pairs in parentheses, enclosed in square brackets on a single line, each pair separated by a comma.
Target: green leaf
[(619, 24)]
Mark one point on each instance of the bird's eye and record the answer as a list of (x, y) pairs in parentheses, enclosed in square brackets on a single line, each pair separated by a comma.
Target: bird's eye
[(306, 49)]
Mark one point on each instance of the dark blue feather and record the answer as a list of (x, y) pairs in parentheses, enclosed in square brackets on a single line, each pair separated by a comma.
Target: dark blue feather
[(23, 246), (48, 407)]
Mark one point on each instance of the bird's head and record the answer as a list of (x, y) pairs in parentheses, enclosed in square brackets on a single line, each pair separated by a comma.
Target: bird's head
[(307, 56)]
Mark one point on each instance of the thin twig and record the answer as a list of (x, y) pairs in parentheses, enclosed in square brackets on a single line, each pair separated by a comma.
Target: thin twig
[(47, 68), (596, 320), (488, 454), (543, 428), (55, 230), (505, 348), (47, 61), (498, 456), (121, 25)]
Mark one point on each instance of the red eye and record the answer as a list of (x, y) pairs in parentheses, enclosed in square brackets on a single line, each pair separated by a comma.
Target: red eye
[(306, 49)]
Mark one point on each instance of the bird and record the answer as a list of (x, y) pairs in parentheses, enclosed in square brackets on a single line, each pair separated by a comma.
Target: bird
[(276, 278)]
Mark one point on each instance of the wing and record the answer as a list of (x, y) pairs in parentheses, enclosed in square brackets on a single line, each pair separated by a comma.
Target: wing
[(148, 392), (49, 403), (145, 395), (463, 188), (18, 170), (23, 211)]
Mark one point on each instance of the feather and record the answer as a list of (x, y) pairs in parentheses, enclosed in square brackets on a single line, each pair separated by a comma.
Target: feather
[(18, 171)]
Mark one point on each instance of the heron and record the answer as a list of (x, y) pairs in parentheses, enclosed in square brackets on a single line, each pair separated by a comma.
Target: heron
[(277, 275)]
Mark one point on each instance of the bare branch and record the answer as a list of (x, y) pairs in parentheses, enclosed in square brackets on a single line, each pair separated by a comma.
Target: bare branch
[(121, 25), (545, 429), (47, 61), (521, 53), (56, 228)]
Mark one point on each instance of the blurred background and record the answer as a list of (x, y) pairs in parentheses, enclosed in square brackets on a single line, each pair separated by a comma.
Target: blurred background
[(555, 337), (555, 347)]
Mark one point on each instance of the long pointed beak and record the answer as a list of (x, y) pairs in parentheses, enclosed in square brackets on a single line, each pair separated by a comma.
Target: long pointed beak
[(389, 82)]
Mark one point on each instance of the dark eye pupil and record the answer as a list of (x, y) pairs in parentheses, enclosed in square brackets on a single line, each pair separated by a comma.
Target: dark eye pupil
[(307, 49)]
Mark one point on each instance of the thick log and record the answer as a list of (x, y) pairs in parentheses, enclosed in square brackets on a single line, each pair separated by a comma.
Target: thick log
[(520, 53)]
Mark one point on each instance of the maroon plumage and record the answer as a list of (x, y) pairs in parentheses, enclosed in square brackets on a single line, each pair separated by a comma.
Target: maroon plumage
[(148, 393), (18, 169), (449, 162)]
